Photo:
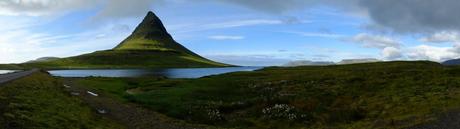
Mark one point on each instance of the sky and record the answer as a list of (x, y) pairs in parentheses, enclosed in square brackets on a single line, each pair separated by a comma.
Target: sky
[(241, 32)]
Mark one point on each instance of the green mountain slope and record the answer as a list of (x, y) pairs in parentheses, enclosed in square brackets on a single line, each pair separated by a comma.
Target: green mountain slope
[(149, 46), (128, 59), (151, 35)]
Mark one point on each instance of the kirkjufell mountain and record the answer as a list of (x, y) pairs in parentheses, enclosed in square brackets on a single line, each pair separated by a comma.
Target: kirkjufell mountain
[(149, 46), (151, 35)]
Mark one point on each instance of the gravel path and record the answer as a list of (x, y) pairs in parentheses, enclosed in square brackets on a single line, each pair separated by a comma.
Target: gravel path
[(449, 120), (131, 115)]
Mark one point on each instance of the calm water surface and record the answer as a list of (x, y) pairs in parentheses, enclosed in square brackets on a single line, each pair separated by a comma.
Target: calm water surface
[(170, 73), (6, 71)]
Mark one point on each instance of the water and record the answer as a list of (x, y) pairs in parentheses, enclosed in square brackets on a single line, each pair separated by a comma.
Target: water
[(170, 73), (6, 71)]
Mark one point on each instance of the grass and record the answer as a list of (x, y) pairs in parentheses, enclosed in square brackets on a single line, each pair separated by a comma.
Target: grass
[(116, 59), (40, 102), (10, 67), (145, 44), (373, 95)]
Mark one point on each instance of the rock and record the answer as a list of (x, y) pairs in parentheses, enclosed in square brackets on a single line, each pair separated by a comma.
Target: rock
[(91, 93), (75, 93), (102, 111)]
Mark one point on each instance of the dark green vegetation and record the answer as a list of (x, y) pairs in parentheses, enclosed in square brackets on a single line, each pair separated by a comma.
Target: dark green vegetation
[(373, 95), (113, 59), (40, 102), (10, 67), (149, 46)]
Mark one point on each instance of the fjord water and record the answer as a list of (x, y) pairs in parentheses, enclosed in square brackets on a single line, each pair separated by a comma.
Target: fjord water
[(6, 71), (170, 73)]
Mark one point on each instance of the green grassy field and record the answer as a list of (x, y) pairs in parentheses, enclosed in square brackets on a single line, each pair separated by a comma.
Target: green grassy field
[(112, 59), (374, 95), (40, 102)]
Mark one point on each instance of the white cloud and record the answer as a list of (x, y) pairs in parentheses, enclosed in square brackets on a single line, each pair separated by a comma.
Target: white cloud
[(15, 48), (442, 37), (272, 6), (245, 23), (315, 34), (437, 15), (249, 59), (254, 57), (226, 37), (412, 16), (390, 47), (374, 41), (108, 8), (426, 52), (125, 8), (223, 25), (391, 53), (42, 7), (20, 45)]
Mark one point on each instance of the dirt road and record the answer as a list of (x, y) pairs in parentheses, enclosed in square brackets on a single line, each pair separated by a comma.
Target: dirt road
[(16, 75), (131, 115)]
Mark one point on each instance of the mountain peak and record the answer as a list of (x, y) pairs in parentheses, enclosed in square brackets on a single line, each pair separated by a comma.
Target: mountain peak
[(150, 13), (151, 35), (151, 28)]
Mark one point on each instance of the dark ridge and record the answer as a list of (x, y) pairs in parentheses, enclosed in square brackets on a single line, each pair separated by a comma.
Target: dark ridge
[(151, 28), (451, 62)]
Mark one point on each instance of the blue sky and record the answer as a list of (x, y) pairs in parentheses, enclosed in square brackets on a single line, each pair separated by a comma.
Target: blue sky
[(242, 32)]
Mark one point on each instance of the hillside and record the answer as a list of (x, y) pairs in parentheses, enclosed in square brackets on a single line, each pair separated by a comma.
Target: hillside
[(43, 59), (10, 67), (149, 46), (40, 101)]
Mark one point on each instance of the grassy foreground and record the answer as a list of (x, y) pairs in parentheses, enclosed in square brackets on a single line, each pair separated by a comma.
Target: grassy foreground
[(40, 102), (374, 95)]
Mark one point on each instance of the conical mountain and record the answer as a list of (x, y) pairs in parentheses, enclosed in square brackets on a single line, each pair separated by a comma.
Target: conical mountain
[(149, 46), (151, 35)]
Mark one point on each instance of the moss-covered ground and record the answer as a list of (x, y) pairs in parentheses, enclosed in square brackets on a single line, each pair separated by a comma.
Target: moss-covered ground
[(39, 101)]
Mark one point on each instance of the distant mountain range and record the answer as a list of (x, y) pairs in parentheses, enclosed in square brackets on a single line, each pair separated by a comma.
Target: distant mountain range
[(356, 61), (353, 61), (308, 63), (323, 63), (451, 62), (149, 46)]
